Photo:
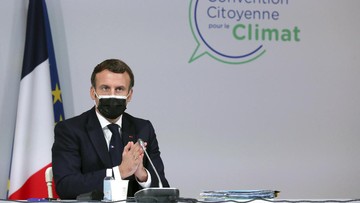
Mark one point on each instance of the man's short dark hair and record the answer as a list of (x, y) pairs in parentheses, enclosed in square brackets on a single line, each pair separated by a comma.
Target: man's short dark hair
[(115, 66)]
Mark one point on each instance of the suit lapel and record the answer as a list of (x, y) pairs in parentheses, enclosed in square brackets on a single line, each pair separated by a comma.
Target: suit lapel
[(97, 138), (128, 131)]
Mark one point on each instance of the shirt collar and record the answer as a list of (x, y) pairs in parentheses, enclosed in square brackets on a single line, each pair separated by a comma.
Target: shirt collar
[(104, 122)]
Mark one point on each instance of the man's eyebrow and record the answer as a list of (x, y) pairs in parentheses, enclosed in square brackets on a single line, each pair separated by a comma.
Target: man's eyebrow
[(120, 86)]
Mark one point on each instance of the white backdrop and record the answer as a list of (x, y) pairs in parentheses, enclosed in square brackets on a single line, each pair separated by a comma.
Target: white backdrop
[(288, 120)]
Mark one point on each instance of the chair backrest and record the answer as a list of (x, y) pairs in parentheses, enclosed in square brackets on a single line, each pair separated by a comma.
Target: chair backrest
[(48, 180)]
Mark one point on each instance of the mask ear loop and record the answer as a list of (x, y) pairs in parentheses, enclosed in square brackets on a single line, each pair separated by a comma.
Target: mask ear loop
[(97, 96)]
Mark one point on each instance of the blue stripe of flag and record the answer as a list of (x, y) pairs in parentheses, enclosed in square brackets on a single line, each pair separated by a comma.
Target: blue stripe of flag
[(35, 43)]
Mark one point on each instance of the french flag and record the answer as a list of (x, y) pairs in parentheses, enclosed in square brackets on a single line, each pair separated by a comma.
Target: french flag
[(39, 109)]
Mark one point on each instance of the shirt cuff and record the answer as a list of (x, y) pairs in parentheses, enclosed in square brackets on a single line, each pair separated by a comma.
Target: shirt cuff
[(148, 181), (117, 176)]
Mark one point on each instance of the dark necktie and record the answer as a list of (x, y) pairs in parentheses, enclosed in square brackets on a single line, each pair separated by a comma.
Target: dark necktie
[(116, 146)]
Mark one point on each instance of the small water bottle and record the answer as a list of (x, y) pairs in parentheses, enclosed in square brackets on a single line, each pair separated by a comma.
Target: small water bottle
[(107, 185)]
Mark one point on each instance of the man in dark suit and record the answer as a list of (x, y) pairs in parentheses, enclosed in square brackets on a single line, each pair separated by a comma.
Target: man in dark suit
[(81, 150)]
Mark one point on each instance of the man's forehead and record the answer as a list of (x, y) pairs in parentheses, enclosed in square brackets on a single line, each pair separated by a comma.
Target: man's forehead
[(108, 78)]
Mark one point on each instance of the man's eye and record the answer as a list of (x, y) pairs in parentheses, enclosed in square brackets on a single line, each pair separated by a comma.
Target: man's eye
[(104, 88)]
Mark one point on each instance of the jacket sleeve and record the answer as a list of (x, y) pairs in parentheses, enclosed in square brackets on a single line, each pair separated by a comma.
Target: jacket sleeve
[(68, 149)]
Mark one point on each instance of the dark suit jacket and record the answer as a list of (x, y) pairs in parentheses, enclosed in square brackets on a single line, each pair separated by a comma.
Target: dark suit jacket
[(80, 155)]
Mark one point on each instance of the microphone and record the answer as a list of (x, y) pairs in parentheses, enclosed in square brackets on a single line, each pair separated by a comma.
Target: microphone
[(159, 194)]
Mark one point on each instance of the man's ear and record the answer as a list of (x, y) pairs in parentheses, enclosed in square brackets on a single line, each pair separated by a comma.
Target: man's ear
[(129, 97), (92, 93)]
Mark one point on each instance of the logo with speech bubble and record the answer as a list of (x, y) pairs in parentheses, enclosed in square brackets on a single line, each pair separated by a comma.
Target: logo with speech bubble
[(237, 31)]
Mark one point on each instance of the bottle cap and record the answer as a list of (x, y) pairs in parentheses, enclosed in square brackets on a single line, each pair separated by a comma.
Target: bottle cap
[(109, 172)]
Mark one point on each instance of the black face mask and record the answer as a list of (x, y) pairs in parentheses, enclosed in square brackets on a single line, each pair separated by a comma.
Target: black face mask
[(111, 107)]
